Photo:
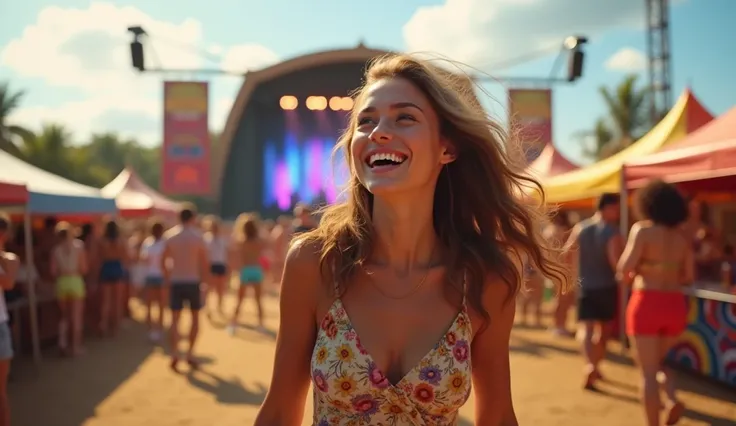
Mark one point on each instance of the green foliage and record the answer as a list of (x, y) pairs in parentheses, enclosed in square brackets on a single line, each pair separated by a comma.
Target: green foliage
[(627, 120), (11, 136), (94, 162)]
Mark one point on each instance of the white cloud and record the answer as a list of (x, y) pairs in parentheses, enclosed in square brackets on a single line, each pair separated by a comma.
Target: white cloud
[(245, 57), (88, 50), (483, 32), (627, 59)]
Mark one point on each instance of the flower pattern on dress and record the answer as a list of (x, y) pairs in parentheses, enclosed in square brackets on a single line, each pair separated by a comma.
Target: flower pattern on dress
[(349, 389)]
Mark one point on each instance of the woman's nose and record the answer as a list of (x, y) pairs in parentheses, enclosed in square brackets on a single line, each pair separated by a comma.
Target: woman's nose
[(381, 134)]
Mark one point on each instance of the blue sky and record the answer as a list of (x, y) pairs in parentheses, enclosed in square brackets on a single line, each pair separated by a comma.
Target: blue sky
[(71, 56)]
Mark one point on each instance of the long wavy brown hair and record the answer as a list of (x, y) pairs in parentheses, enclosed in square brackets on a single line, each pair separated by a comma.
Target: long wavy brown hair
[(481, 216)]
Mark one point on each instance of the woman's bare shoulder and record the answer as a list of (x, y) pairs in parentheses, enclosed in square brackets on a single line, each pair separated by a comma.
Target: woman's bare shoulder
[(304, 256), (303, 282)]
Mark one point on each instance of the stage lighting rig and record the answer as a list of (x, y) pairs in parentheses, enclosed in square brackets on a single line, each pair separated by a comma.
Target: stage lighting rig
[(576, 57), (316, 103), (288, 103), (139, 62), (136, 48), (571, 48)]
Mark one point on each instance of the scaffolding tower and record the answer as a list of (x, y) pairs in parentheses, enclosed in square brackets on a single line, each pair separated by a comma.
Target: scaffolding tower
[(659, 55)]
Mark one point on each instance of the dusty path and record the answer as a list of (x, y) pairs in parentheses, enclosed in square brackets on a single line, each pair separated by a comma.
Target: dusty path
[(126, 382)]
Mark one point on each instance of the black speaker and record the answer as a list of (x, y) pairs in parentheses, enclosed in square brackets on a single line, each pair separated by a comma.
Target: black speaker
[(575, 65), (136, 54)]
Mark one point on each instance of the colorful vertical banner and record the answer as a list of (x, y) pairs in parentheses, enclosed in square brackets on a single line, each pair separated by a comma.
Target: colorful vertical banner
[(186, 148), (531, 119)]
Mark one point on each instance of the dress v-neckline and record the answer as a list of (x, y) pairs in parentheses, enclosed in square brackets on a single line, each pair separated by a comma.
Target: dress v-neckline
[(429, 353)]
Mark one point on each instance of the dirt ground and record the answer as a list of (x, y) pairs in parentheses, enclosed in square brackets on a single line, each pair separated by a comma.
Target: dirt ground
[(126, 381)]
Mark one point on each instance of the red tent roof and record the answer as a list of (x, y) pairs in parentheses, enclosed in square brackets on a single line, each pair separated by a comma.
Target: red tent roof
[(550, 163), (13, 194), (133, 197), (722, 128), (704, 160), (696, 115)]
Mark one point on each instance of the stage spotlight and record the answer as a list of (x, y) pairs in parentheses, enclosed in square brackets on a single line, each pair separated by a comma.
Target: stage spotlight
[(346, 103), (316, 103), (288, 102), (336, 103)]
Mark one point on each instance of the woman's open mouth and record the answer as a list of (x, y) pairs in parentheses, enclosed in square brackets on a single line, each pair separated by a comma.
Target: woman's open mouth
[(385, 161)]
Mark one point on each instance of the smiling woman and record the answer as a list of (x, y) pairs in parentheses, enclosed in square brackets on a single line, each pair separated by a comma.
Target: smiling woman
[(403, 296)]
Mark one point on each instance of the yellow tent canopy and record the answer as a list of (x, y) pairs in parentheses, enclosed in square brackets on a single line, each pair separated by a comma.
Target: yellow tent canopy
[(604, 176)]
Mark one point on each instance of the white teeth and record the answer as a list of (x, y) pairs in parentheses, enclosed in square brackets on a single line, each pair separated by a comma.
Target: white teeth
[(394, 158)]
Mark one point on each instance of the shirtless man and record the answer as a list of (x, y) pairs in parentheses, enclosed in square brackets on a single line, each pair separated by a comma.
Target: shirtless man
[(185, 266)]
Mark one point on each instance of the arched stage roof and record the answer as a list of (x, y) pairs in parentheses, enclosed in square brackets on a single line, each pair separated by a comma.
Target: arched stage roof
[(255, 78)]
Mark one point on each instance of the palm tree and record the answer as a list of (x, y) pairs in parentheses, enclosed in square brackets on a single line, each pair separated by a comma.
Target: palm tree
[(50, 150), (597, 142), (10, 133), (627, 109), (627, 119)]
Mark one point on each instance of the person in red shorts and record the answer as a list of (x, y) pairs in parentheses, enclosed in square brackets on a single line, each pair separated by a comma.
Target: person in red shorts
[(657, 262)]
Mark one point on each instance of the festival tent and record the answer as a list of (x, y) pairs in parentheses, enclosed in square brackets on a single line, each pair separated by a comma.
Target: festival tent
[(48, 194), (703, 161), (51, 194), (134, 198), (581, 185), (549, 163), (12, 194)]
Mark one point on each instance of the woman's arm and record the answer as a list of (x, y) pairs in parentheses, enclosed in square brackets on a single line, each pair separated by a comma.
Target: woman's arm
[(631, 256), (9, 265), (490, 356), (300, 290)]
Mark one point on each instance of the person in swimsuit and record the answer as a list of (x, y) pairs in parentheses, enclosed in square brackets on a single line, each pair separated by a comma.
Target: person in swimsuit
[(153, 281), (404, 294), (68, 266), (217, 248), (657, 261), (249, 250), (113, 257)]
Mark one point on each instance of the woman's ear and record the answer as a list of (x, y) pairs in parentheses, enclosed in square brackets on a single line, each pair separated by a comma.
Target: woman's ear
[(449, 153)]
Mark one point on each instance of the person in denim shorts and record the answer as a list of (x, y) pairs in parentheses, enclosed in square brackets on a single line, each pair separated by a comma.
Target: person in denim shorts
[(8, 268)]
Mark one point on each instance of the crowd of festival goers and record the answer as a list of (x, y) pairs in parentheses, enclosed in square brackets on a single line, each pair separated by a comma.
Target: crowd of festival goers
[(672, 245), (161, 264)]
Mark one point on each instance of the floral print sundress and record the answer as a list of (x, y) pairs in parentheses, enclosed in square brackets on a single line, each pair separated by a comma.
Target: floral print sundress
[(349, 389)]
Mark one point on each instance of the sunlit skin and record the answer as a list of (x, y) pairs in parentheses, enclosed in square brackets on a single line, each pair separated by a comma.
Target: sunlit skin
[(394, 117)]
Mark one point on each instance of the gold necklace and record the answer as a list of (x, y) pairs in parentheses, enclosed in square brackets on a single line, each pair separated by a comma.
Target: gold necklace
[(411, 292)]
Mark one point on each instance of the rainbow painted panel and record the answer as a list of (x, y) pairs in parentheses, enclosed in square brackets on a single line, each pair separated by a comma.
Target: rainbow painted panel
[(708, 345), (301, 171)]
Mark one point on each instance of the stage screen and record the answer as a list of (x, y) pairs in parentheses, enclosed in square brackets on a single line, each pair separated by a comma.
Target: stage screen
[(281, 152), (298, 163)]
